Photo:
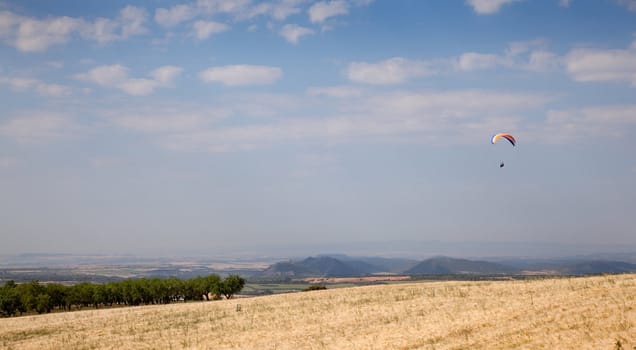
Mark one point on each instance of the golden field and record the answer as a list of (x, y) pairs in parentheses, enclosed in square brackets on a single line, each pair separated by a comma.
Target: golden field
[(560, 313)]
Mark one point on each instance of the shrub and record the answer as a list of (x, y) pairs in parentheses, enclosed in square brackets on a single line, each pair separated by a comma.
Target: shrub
[(314, 287)]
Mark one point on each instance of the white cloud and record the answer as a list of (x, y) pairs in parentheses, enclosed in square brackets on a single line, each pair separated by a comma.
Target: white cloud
[(240, 75), (593, 65), (395, 70), (543, 61), (53, 90), (110, 76), (525, 55), (19, 84), (32, 35), (175, 15), (285, 8), (8, 22), (474, 61), (323, 10), (42, 88), (165, 75), (455, 104), (165, 119), (278, 10), (261, 9), (629, 4), (175, 122), (517, 48), (335, 91), (222, 6), (102, 30), (240, 10), (38, 127), (422, 116), (116, 76), (132, 20), (598, 121), (203, 29), (487, 7), (138, 86), (327, 114), (37, 35), (293, 32)]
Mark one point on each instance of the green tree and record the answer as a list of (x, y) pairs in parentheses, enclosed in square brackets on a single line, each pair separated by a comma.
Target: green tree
[(43, 304), (157, 290), (131, 294), (143, 288), (213, 286), (204, 286), (114, 293), (9, 299), (190, 290), (198, 288), (57, 292), (100, 295), (80, 295), (29, 293), (231, 285), (174, 289)]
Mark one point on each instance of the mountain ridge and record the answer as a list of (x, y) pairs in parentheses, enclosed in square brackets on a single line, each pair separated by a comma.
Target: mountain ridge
[(344, 266)]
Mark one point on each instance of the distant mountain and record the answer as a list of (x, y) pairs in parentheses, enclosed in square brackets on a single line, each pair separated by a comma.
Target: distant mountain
[(451, 266), (320, 266), (344, 266), (347, 266), (328, 266), (595, 267), (286, 269), (388, 265)]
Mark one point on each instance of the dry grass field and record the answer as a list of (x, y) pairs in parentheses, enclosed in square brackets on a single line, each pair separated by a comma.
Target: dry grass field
[(566, 313)]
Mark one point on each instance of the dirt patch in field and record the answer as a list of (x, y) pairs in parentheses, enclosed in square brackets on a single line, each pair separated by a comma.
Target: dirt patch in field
[(366, 279)]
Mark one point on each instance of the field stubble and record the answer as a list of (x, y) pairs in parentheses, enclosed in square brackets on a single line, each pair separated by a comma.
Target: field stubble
[(561, 313)]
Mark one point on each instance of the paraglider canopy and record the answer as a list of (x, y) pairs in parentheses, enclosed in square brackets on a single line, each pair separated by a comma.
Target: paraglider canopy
[(506, 136)]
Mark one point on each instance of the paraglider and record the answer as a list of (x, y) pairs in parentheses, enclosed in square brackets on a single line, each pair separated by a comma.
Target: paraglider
[(506, 136)]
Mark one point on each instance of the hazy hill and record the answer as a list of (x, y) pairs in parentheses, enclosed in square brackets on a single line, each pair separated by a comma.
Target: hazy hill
[(345, 266), (381, 264), (285, 269), (447, 266), (319, 266), (330, 266), (596, 267)]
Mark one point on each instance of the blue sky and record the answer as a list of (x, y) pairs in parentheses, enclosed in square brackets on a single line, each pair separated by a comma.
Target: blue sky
[(165, 127)]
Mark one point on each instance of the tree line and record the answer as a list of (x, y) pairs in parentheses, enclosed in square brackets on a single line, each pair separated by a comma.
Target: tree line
[(43, 298)]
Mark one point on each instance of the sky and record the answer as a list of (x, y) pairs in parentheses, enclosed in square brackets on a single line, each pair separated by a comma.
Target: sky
[(167, 127)]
